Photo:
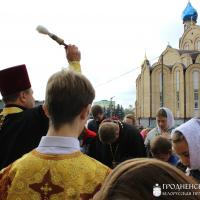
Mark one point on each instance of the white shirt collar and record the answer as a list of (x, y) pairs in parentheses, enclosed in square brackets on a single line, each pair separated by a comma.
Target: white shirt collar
[(58, 145)]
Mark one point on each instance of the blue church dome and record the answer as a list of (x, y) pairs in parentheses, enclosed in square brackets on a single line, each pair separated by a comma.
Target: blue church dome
[(189, 13)]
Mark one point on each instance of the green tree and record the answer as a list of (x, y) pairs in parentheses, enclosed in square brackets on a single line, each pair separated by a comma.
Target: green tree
[(129, 110)]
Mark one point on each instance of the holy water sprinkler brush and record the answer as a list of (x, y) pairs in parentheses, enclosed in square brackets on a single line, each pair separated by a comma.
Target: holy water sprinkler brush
[(45, 31)]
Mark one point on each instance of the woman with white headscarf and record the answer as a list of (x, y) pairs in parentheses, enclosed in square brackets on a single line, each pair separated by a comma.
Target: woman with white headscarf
[(165, 123), (186, 143)]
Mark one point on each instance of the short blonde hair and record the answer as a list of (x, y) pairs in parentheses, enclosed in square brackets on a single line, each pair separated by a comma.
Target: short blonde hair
[(67, 93)]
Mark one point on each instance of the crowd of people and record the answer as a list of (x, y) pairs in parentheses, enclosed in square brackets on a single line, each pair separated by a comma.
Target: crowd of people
[(54, 152)]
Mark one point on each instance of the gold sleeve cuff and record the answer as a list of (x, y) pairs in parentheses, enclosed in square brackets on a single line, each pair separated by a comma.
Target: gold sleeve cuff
[(75, 65)]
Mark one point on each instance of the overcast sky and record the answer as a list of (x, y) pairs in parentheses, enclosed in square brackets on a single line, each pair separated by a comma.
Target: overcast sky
[(112, 35)]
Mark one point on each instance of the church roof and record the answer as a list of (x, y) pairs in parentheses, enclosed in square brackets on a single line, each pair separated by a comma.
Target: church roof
[(189, 13), (192, 53)]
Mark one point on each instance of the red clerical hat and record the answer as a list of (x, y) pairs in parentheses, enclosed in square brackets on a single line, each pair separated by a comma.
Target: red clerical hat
[(13, 80)]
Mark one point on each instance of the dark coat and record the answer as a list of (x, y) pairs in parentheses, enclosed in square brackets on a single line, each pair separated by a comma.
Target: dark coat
[(20, 133), (195, 174), (93, 125), (129, 145)]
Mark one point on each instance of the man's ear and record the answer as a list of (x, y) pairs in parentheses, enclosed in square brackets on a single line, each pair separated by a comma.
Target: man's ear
[(22, 97), (85, 112), (46, 112)]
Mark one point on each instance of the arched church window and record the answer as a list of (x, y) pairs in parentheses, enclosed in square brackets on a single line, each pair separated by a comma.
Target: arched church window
[(196, 82), (197, 44), (178, 90)]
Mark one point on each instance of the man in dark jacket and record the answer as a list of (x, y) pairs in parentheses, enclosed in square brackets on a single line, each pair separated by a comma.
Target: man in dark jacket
[(98, 115), (21, 124), (116, 142)]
